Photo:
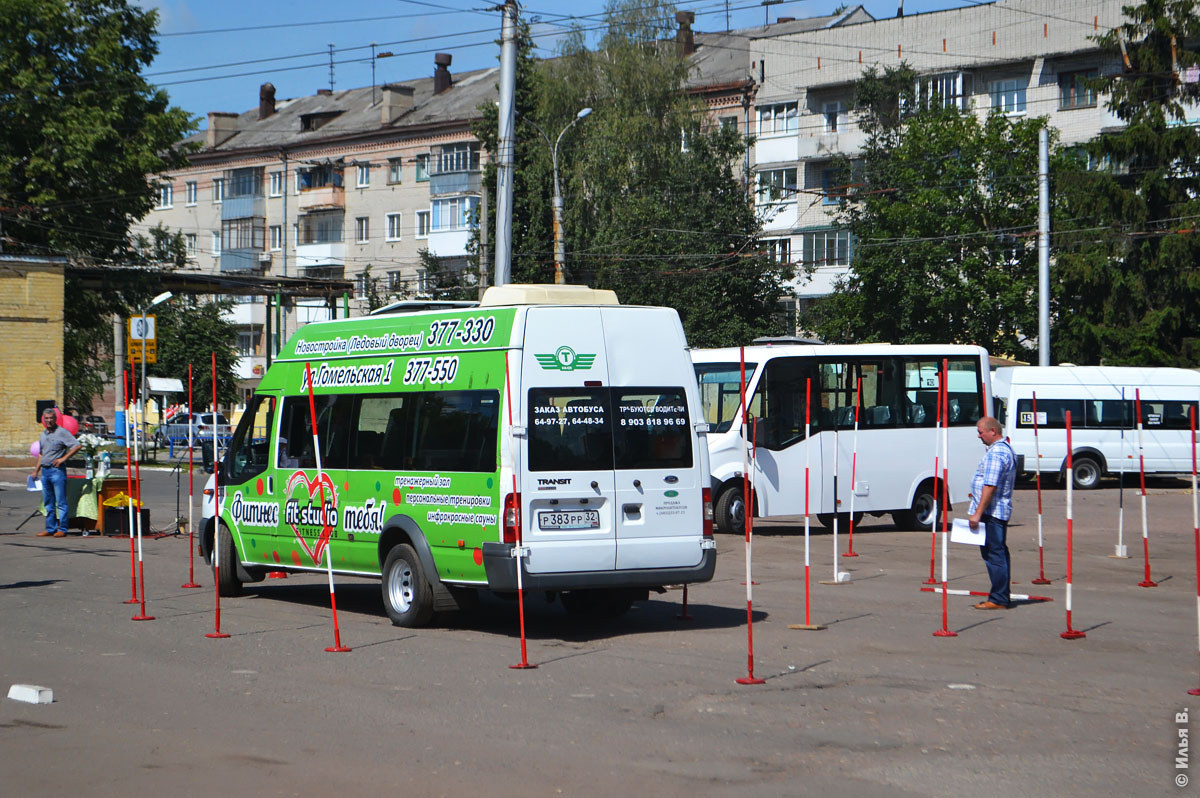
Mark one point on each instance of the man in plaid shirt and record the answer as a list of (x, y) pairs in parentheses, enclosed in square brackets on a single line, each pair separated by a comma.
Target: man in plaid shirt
[(991, 505)]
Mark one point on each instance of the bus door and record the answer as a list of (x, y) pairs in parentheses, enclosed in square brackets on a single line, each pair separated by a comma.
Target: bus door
[(568, 482), (1166, 425), (777, 431)]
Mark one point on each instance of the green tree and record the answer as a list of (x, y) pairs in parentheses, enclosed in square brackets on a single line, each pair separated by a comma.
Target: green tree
[(1126, 281), (80, 129), (189, 331), (939, 210), (653, 207)]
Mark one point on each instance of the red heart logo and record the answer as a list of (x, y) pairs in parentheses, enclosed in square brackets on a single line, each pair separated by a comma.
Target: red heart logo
[(314, 489)]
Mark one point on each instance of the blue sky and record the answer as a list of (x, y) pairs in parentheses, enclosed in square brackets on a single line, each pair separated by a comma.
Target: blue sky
[(205, 44)]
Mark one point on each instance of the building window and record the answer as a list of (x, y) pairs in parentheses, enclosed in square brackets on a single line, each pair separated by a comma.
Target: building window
[(826, 248), (831, 190), (318, 177), (779, 250), (190, 240), (422, 224), (362, 285), (362, 229), (320, 228), (455, 213), (363, 175), (777, 119), (245, 233), (395, 282), (216, 243), (218, 189), (247, 343), (729, 121), (395, 169), (166, 197), (423, 167), (1074, 89), (422, 282), (246, 182), (831, 112), (1008, 96), (277, 184), (190, 189), (947, 89), (776, 185), (458, 158), (393, 227), (276, 237)]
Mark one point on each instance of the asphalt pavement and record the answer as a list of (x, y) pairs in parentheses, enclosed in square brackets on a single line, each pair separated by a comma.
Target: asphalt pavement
[(872, 705)]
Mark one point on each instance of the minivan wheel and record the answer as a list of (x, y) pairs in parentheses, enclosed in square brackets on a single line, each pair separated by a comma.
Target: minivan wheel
[(1085, 471), (731, 510), (228, 583), (920, 516), (407, 595)]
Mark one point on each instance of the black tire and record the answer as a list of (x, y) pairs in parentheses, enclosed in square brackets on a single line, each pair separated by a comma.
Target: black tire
[(597, 605), (407, 594), (1086, 473), (730, 511), (920, 515), (228, 583)]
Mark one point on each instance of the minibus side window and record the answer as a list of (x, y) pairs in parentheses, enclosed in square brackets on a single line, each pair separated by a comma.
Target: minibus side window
[(295, 434), (1052, 413), (570, 429), (248, 454), (455, 431), (783, 388), (651, 428)]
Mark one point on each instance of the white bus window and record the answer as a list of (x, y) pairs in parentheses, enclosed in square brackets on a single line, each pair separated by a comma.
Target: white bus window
[(921, 381), (720, 394), (783, 388)]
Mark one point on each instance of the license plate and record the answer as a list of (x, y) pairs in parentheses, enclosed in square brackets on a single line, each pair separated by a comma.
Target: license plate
[(569, 519)]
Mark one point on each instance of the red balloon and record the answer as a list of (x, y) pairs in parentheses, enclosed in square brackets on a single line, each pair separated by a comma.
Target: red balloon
[(69, 423)]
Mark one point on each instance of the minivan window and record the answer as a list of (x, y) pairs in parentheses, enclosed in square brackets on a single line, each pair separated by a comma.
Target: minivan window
[(651, 429), (248, 452), (570, 429)]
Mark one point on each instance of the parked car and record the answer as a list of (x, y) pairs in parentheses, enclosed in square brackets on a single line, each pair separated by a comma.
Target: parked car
[(95, 425), (201, 425)]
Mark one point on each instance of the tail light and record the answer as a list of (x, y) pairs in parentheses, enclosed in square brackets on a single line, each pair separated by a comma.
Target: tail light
[(708, 512), (512, 517)]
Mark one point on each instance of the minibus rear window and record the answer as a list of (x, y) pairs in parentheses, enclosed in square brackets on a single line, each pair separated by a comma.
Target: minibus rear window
[(570, 429), (651, 429)]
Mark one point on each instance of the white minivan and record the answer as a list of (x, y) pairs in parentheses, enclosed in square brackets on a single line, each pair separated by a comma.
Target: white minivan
[(1103, 403), (547, 416)]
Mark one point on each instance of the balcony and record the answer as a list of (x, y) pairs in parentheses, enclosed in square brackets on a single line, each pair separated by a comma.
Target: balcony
[(449, 243), (323, 197), (460, 182), (321, 253), (243, 207), (778, 216), (241, 260), (775, 149), (827, 145)]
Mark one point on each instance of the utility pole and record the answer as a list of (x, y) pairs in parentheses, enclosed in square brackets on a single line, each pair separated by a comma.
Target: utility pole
[(504, 171), (1044, 247), (483, 239)]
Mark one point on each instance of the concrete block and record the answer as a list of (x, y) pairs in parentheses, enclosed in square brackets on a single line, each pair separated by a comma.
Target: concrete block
[(31, 694)]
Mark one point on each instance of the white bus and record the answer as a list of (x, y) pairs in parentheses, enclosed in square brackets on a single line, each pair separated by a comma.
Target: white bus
[(1101, 400), (896, 436)]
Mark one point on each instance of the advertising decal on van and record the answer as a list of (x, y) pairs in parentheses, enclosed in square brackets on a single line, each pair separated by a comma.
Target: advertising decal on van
[(565, 359), (309, 516)]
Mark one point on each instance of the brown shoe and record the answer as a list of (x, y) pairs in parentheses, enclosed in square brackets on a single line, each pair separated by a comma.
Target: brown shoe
[(60, 534), (44, 534), (987, 605)]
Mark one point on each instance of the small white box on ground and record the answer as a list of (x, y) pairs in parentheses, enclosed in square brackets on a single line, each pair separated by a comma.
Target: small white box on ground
[(843, 576), (31, 694)]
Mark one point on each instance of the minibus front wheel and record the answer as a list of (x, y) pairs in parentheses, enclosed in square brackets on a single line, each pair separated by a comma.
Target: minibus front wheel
[(407, 595), (229, 584)]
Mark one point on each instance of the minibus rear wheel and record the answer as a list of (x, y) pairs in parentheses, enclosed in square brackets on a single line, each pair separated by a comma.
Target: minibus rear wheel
[(1086, 472), (228, 583), (407, 595)]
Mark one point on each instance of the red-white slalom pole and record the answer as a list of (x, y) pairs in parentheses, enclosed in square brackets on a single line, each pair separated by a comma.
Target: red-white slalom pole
[(141, 616), (519, 549), (1013, 596), (1037, 450), (937, 454), (749, 678), (1147, 581), (808, 624), (1122, 551), (1195, 528), (217, 633), (337, 646), (854, 465), (944, 390), (1071, 633), (191, 582), (129, 428)]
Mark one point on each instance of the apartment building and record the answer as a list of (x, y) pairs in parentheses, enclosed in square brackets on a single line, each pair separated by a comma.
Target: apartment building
[(341, 184), (1018, 57)]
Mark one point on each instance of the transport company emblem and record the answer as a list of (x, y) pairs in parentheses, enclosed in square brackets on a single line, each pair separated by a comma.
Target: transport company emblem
[(565, 359)]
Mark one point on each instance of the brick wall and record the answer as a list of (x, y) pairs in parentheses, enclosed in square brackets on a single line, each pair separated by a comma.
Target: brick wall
[(31, 348)]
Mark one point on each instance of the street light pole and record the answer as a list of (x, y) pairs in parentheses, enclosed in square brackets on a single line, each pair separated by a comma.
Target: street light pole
[(158, 300), (560, 251)]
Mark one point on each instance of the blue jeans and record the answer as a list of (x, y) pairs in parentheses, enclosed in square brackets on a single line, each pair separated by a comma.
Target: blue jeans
[(995, 556), (54, 496)]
